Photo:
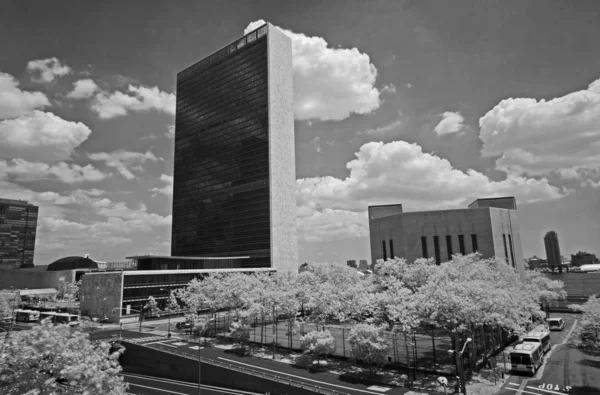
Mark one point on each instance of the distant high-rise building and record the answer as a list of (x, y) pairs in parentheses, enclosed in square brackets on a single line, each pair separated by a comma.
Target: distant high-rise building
[(18, 224), (552, 250), (234, 174)]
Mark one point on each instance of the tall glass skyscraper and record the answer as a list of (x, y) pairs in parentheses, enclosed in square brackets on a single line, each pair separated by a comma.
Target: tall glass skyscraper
[(18, 224), (234, 175)]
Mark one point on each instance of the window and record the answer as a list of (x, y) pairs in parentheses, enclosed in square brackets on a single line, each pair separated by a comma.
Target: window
[(449, 246), (392, 249), (461, 244), (424, 247), (474, 242), (512, 254), (505, 249), (384, 250), (436, 249), (262, 31)]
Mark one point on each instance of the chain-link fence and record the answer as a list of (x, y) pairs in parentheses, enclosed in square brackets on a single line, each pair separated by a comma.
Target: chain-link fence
[(426, 349)]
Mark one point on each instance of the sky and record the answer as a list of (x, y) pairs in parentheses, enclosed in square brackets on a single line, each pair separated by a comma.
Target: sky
[(429, 104)]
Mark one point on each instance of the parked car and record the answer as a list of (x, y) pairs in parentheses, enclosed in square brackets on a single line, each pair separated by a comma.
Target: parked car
[(556, 324), (184, 325)]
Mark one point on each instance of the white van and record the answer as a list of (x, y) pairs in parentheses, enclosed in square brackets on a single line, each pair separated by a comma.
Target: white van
[(556, 324)]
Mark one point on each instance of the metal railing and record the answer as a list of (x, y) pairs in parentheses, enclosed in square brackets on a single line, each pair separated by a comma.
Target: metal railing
[(252, 372)]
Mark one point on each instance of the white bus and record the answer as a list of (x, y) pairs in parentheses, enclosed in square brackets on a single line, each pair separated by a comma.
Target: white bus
[(27, 315), (65, 318), (526, 357), (542, 338), (47, 315)]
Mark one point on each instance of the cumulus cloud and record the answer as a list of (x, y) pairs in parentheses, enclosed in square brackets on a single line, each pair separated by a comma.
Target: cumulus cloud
[(14, 102), (170, 133), (123, 161), (167, 189), (330, 84), (47, 70), (41, 137), (137, 98), (21, 170), (328, 224), (559, 136), (83, 89), (113, 222), (452, 122), (399, 172)]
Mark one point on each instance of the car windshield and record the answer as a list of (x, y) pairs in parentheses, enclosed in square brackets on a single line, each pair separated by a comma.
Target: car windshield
[(531, 339)]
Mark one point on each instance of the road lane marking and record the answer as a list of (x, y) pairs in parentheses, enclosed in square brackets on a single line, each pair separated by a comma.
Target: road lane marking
[(185, 384), (571, 331), (514, 383), (298, 377), (545, 390), (164, 342), (156, 389), (524, 392)]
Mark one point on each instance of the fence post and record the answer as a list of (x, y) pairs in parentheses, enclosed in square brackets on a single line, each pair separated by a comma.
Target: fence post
[(433, 344), (343, 342), (415, 352)]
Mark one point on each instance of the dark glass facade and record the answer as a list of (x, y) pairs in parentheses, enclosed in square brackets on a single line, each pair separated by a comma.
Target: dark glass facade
[(18, 224), (221, 202)]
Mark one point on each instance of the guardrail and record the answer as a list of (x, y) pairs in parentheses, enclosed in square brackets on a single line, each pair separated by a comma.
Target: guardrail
[(252, 372)]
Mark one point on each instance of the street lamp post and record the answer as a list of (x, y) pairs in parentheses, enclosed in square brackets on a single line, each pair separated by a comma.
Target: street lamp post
[(121, 324), (168, 316), (459, 365)]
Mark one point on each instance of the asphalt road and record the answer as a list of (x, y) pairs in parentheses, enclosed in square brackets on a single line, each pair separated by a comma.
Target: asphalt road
[(566, 370), (146, 385), (321, 379)]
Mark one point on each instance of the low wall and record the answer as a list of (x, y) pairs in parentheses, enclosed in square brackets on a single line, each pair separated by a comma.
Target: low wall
[(147, 361)]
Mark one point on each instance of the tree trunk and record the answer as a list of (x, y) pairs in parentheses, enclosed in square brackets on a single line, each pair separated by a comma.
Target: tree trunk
[(407, 353)]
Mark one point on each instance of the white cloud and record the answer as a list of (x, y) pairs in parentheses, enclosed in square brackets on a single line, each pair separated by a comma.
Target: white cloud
[(452, 122), (315, 143), (137, 98), (382, 131), (123, 160), (14, 102), (47, 70), (328, 224), (21, 170), (83, 89), (165, 190), (170, 133), (399, 172), (41, 137), (330, 84), (560, 136)]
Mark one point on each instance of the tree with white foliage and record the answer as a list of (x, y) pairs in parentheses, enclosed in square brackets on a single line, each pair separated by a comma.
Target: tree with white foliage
[(151, 307), (318, 344), (587, 336), (369, 344), (57, 359)]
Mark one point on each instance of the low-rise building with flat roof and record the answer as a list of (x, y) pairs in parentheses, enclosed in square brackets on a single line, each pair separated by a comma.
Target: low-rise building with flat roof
[(489, 226)]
